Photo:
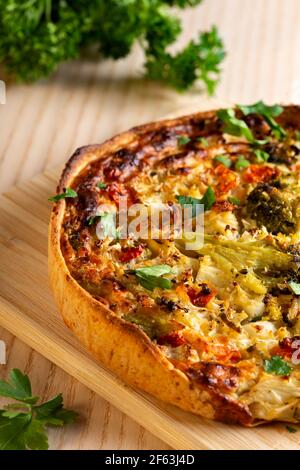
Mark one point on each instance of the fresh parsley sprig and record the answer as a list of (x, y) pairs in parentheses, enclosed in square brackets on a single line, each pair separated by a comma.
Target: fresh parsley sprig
[(241, 163), (234, 200), (239, 128), (101, 185), (68, 192), (207, 200), (269, 113), (150, 277), (35, 36), (277, 366), (23, 423), (224, 160), (203, 141), (183, 140), (234, 126), (261, 155)]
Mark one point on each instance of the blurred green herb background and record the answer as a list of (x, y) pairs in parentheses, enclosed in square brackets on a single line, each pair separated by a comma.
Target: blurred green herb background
[(36, 35)]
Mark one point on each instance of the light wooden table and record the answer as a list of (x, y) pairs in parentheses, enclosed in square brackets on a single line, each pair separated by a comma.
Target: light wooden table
[(42, 124)]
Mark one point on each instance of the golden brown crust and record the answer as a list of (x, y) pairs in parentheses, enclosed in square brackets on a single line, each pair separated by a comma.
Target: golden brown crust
[(122, 346)]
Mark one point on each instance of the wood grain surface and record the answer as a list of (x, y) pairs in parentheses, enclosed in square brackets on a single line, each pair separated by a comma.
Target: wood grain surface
[(41, 124)]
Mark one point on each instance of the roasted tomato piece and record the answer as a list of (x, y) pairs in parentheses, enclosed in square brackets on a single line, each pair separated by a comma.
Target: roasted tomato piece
[(222, 350), (129, 253), (227, 179), (116, 191), (175, 339), (287, 347), (223, 206), (257, 173), (200, 297)]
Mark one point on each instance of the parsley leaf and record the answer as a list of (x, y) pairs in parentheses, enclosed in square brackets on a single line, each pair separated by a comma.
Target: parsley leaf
[(93, 219), (150, 276), (224, 160), (234, 200), (295, 286), (52, 412), (68, 192), (18, 387), (268, 112), (36, 436), (12, 432), (188, 200), (183, 140), (233, 125), (207, 200), (291, 429), (261, 108), (241, 163), (203, 141), (23, 424), (101, 185), (199, 60), (277, 366), (261, 156)]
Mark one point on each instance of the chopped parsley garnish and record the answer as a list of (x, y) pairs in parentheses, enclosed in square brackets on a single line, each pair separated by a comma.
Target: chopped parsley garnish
[(233, 125), (261, 108), (277, 366), (241, 163), (101, 185), (150, 276), (183, 140), (203, 141), (297, 135), (261, 156), (188, 200), (234, 200), (268, 112), (295, 286), (224, 160), (23, 423), (68, 192), (207, 200), (36, 36), (93, 219), (291, 429)]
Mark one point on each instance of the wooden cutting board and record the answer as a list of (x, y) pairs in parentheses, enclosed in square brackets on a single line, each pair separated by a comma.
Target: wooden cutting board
[(27, 310)]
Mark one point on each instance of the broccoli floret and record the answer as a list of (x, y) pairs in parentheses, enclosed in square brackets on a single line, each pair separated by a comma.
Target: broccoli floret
[(272, 207)]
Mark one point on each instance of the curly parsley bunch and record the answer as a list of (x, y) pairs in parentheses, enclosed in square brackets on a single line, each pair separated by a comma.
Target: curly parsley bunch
[(36, 35)]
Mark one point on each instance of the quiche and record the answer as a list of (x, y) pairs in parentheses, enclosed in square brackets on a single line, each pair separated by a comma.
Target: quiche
[(212, 327)]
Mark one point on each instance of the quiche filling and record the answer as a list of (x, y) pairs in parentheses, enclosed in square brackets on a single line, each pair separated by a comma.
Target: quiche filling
[(227, 313)]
